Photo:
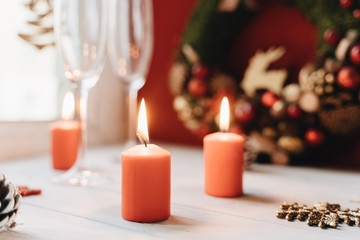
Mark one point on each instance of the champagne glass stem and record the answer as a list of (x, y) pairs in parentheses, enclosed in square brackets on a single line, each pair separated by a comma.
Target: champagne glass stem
[(132, 96), (81, 98), (130, 114), (131, 92)]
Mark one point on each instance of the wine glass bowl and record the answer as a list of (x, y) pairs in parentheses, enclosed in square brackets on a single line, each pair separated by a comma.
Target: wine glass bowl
[(80, 32), (80, 28), (130, 46)]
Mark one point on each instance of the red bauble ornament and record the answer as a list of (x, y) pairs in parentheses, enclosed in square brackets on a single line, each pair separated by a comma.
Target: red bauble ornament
[(355, 54), (197, 87), (331, 36), (346, 3), (348, 78), (356, 13), (200, 71), (293, 111), (268, 99), (314, 137), (244, 112)]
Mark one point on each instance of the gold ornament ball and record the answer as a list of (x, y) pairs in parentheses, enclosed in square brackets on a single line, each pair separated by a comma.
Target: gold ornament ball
[(278, 109), (305, 72), (329, 78), (268, 132), (291, 92), (291, 144), (332, 65), (177, 76), (329, 89), (180, 103), (319, 90)]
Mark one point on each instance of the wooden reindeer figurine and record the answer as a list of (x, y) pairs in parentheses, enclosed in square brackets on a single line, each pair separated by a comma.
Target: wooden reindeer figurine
[(257, 77)]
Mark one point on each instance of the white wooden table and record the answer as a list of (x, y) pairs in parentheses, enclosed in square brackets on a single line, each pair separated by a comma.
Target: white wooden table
[(64, 212)]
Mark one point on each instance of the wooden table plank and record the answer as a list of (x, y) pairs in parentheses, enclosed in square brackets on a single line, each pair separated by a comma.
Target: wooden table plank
[(38, 223), (194, 214)]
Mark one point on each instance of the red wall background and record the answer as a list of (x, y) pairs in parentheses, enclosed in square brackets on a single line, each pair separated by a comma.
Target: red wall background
[(170, 18)]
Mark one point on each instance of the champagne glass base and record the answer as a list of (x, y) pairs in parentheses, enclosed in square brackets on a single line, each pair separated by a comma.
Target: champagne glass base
[(81, 177)]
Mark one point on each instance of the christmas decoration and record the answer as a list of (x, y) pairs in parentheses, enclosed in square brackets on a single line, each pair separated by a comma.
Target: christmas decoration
[(200, 71), (293, 111), (348, 78), (355, 54), (26, 191), (314, 137), (291, 92), (41, 25), (283, 115), (9, 203), (244, 111), (309, 102), (257, 77), (322, 215), (268, 99), (331, 36), (346, 3), (356, 13), (197, 87)]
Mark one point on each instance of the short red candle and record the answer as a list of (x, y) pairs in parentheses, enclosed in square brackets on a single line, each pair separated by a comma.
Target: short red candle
[(224, 156), (145, 183), (64, 143), (145, 178)]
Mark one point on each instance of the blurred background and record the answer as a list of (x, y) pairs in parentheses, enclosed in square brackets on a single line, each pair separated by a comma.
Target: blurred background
[(32, 87)]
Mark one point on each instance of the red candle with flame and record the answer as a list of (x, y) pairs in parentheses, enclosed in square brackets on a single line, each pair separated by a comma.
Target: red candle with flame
[(65, 137), (145, 178), (223, 155)]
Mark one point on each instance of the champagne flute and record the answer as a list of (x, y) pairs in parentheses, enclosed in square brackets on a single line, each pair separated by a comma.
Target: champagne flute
[(80, 33), (130, 45)]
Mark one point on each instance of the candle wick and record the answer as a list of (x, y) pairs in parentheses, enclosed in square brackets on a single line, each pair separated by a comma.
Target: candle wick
[(141, 139)]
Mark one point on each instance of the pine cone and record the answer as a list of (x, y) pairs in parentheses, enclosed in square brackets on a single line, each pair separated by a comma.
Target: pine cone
[(339, 115), (9, 203)]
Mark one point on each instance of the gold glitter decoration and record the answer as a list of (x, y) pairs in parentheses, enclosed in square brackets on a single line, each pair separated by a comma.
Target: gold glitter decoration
[(291, 144), (329, 78)]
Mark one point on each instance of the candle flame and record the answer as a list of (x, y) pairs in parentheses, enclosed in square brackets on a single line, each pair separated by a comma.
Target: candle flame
[(224, 115), (142, 130), (68, 107)]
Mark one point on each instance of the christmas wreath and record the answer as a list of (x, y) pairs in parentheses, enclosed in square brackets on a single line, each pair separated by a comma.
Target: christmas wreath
[(282, 115)]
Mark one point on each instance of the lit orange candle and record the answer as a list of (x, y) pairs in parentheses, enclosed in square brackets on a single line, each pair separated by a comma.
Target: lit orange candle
[(223, 156), (65, 137), (145, 178)]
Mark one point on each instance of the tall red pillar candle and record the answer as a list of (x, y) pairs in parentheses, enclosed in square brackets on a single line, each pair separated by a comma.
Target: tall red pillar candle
[(145, 179), (223, 156)]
